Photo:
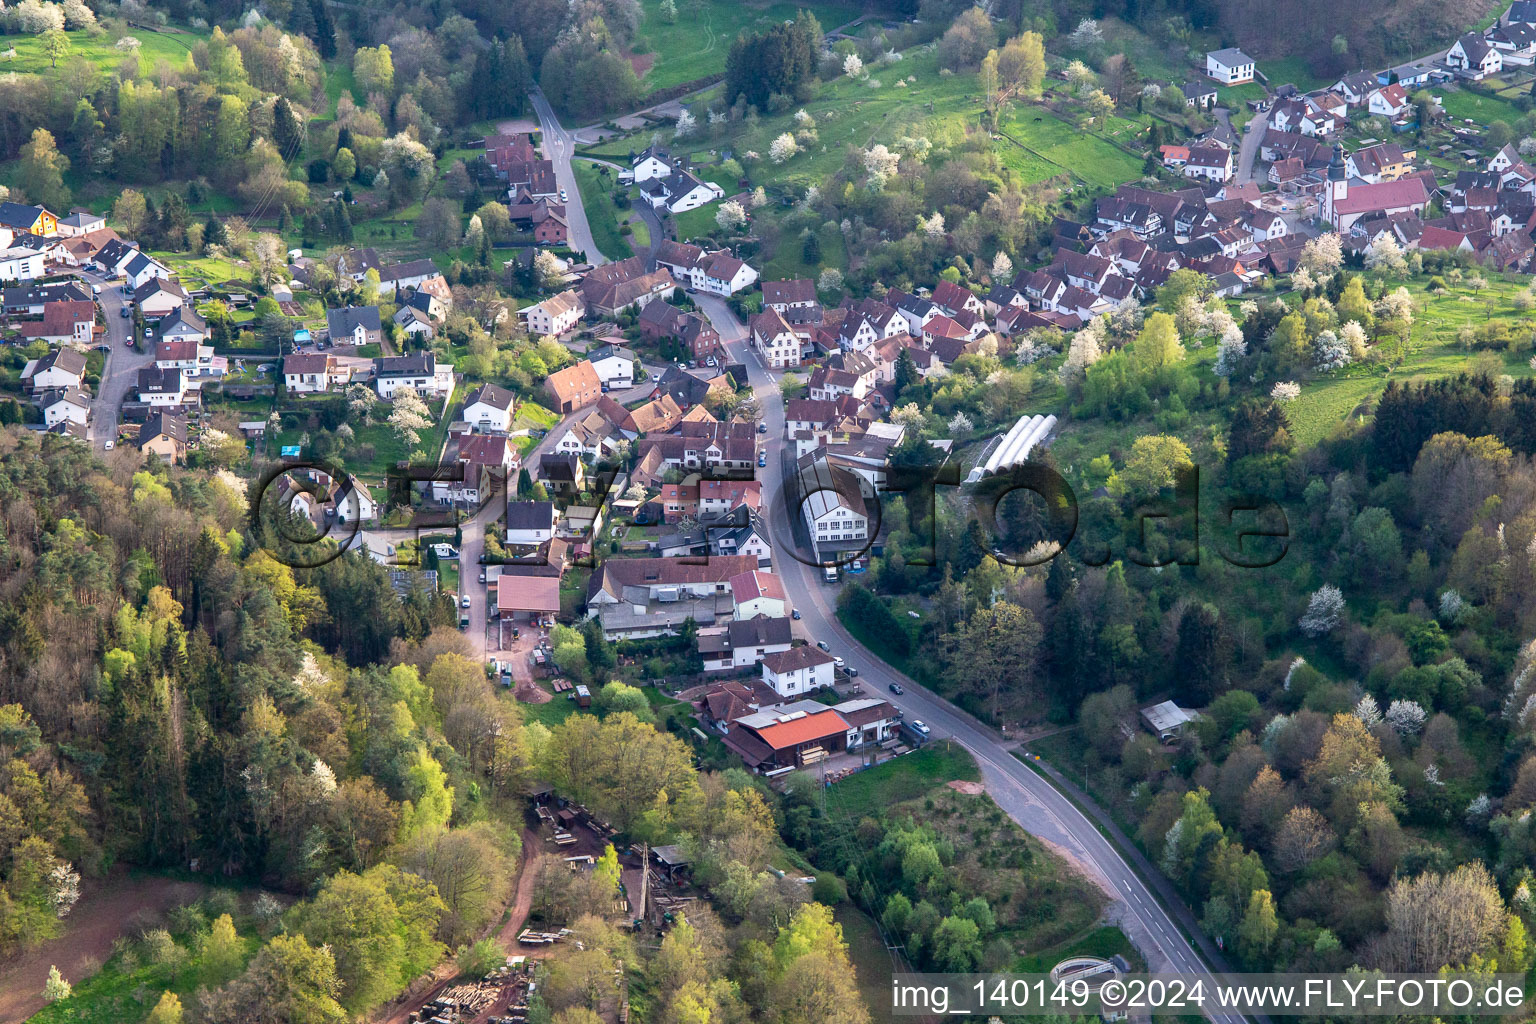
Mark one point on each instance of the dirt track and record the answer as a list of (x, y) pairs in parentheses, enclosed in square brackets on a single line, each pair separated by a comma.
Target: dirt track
[(108, 908)]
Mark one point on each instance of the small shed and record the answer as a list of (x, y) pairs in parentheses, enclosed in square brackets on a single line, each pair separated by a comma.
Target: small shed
[(670, 859), (583, 697), (1166, 720)]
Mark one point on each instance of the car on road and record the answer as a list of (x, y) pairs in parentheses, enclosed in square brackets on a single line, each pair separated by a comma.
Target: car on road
[(762, 428), (482, 575), (897, 689), (128, 342), (95, 289), (563, 198), (823, 645), (464, 601), (853, 673), (795, 614), (762, 459), (107, 446), (126, 312), (838, 662), (920, 726)]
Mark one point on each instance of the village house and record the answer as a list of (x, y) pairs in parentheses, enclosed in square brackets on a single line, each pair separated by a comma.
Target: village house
[(527, 596), (718, 272), (64, 406), (483, 465), (311, 372), (1473, 57), (555, 315), (354, 325), (1230, 66), (141, 268), (743, 643), (414, 323), (80, 222), (1389, 101), (614, 365), (545, 220), (774, 340), (30, 300), (489, 407), (59, 370), (21, 264), (573, 387), (1515, 41), (640, 597), (757, 593), (163, 388), (421, 372), (783, 296), (1210, 162), (613, 288), (1199, 94), (195, 360), (157, 297), (590, 435), (798, 671), (65, 322), (19, 219), (414, 274), (164, 435), (679, 191), (1384, 161), (530, 523)]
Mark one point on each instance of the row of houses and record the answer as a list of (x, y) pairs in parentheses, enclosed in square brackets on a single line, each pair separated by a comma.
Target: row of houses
[(314, 372)]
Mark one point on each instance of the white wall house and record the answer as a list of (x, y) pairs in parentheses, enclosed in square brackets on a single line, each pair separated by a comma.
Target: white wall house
[(775, 341), (555, 315), (489, 407), (1229, 66), (797, 671)]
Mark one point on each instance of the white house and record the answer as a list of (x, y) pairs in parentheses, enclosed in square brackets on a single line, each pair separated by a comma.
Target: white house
[(21, 264), (774, 340), (81, 222), (718, 272), (759, 593), (1229, 66), (421, 372), (1473, 57), (489, 407), (530, 523), (69, 405), (615, 366), (162, 388), (653, 163), (353, 502), (555, 315), (743, 643), (836, 513), (1390, 101), (797, 671), (1212, 162), (61, 369), (307, 373), (870, 720), (158, 297), (142, 268), (679, 191)]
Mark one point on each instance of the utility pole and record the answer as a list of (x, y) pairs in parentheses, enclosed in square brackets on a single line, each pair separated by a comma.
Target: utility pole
[(645, 880)]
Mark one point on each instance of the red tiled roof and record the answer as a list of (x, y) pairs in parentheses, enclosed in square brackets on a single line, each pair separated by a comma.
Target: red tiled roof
[(783, 735)]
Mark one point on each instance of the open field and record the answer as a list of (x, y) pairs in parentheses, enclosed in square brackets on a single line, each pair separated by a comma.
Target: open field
[(905, 778), (696, 44), (173, 47), (1468, 105), (602, 216)]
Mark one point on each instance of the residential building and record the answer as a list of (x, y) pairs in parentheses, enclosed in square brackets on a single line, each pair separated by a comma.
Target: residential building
[(759, 593), (555, 315), (162, 388), (526, 596), (798, 671), (21, 219), (786, 295), (743, 643), (489, 407), (415, 323), (80, 222), (484, 463), (638, 597), (832, 504), (530, 523), (164, 434), (420, 372), (159, 296), (1474, 57), (573, 387), (68, 405), (65, 322), (1389, 101), (651, 163), (31, 299), (59, 370), (141, 268), (311, 372), (1211, 162), (189, 355), (613, 288), (718, 272), (614, 366), (354, 325), (774, 340), (679, 191), (21, 264), (1230, 66)]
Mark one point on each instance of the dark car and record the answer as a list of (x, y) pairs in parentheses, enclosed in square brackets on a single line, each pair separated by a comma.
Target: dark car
[(897, 690), (795, 614), (853, 673), (762, 428), (823, 645)]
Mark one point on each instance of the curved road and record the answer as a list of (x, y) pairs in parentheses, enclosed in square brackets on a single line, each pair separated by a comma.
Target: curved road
[(559, 146), (1039, 807)]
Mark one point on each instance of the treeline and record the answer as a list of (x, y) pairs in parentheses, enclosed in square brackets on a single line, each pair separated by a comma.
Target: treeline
[(780, 61)]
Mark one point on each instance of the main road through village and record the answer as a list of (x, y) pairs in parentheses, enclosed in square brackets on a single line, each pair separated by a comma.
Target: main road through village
[(1028, 797)]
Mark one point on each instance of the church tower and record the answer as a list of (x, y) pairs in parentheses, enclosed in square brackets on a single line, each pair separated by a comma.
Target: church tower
[(1338, 186)]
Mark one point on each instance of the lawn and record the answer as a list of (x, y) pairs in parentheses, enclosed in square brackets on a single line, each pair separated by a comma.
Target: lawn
[(695, 45), (905, 778), (1467, 105), (533, 415), (602, 215), (1434, 351), (1039, 146), (1294, 70), (174, 47)]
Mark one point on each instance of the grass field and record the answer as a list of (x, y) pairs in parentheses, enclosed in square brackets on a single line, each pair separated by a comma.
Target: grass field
[(1434, 351), (1467, 105), (602, 215), (1294, 70), (905, 778), (696, 44), (173, 47)]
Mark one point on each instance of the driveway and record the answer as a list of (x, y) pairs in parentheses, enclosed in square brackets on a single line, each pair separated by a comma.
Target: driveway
[(120, 374), (559, 146), (1248, 153), (1039, 807)]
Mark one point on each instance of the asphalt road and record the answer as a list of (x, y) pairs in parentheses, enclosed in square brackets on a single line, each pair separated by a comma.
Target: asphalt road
[(120, 374), (559, 146), (1039, 807)]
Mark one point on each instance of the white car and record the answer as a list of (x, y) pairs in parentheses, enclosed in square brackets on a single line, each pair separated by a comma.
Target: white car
[(563, 198), (838, 662), (107, 446), (921, 727), (464, 601)]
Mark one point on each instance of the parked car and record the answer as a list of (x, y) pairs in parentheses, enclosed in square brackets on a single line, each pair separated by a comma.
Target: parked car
[(563, 198), (762, 428), (464, 601), (95, 289), (823, 645), (762, 459), (128, 343), (126, 313), (108, 446), (853, 673), (795, 614), (896, 688), (920, 726), (482, 575), (711, 361)]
